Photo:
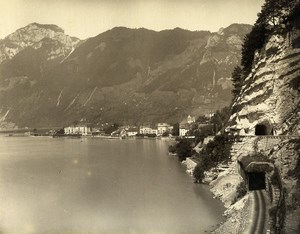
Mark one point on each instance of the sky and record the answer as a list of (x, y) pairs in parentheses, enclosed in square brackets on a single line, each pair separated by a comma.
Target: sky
[(88, 18)]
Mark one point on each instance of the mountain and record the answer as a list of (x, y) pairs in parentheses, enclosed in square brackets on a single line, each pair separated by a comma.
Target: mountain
[(123, 75), (34, 35)]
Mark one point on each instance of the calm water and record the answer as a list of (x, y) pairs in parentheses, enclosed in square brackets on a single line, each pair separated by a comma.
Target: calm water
[(99, 186)]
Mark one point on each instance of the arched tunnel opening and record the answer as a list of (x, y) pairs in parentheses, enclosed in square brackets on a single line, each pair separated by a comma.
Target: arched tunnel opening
[(262, 129), (256, 180)]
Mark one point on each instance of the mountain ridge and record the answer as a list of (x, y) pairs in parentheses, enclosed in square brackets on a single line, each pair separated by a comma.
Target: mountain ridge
[(122, 75)]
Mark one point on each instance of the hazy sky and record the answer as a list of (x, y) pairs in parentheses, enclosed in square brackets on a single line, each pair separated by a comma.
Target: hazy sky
[(86, 18)]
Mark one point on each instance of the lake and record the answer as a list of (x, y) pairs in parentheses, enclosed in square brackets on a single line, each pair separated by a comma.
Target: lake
[(89, 185)]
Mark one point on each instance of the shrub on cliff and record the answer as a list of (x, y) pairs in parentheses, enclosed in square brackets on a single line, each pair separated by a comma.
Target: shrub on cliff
[(275, 17), (253, 41), (217, 151), (236, 78), (214, 153), (241, 190), (220, 119)]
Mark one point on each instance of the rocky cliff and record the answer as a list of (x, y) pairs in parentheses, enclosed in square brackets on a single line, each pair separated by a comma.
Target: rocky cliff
[(265, 121), (270, 97), (35, 35), (122, 75)]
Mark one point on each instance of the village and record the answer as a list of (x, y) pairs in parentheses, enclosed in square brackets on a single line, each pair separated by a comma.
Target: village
[(165, 130)]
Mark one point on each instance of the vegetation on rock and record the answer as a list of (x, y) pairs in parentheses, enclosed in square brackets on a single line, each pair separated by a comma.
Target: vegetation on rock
[(275, 17), (215, 152)]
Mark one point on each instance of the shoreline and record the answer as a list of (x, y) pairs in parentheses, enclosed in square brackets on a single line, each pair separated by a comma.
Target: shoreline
[(190, 165), (234, 213)]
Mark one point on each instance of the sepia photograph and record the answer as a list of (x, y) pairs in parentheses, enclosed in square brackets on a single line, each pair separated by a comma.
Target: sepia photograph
[(150, 116)]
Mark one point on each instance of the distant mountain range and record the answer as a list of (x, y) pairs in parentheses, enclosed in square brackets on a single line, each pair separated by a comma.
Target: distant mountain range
[(123, 75)]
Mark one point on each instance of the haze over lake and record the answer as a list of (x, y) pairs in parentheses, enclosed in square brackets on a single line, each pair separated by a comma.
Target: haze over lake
[(99, 186)]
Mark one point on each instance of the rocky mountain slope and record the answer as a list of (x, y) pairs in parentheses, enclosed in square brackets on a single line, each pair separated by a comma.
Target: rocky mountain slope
[(270, 94), (265, 121), (123, 75), (34, 35)]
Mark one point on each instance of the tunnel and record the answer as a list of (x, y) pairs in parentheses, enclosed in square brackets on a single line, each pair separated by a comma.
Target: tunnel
[(256, 181), (263, 129), (260, 130), (253, 169)]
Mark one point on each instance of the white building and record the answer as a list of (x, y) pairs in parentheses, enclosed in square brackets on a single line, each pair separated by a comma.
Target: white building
[(163, 127), (183, 131), (80, 130), (185, 125), (190, 119), (148, 130)]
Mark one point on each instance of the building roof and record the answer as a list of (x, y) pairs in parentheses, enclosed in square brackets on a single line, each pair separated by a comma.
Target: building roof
[(134, 129), (163, 125), (184, 125)]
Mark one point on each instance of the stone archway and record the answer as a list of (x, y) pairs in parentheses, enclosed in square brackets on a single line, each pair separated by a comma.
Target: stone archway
[(253, 169)]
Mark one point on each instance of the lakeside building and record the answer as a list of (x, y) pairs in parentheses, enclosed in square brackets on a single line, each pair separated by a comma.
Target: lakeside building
[(131, 132), (148, 130), (184, 126), (83, 130), (210, 115), (163, 127), (183, 129), (97, 131)]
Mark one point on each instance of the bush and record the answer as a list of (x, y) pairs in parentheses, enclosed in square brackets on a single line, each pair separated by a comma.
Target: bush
[(241, 190), (183, 148), (275, 179), (198, 173), (215, 152)]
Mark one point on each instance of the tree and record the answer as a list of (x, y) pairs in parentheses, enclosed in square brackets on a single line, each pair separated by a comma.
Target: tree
[(111, 128), (220, 118), (253, 41), (175, 130), (201, 132), (198, 173), (202, 119), (60, 132), (273, 14), (184, 149), (236, 81)]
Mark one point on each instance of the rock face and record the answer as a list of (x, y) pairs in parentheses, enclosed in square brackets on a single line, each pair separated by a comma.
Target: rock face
[(269, 104), (122, 75), (270, 98), (36, 35)]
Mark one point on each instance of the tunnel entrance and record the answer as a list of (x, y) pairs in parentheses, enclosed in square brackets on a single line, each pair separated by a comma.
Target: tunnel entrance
[(261, 130), (264, 129), (256, 180)]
